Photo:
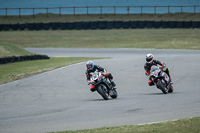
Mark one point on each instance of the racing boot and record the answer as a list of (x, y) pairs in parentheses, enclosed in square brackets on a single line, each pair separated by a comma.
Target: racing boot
[(170, 79)]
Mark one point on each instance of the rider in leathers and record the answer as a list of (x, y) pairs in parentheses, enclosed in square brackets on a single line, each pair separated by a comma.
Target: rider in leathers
[(150, 62), (92, 68)]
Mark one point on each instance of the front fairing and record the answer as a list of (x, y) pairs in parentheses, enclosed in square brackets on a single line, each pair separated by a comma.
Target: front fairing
[(155, 72), (96, 77), (99, 78)]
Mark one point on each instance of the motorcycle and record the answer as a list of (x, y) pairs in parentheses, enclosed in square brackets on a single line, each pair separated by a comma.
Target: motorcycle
[(161, 79), (103, 85)]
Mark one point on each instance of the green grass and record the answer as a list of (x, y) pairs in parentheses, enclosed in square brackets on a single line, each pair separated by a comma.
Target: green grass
[(12, 50), (105, 17), (14, 71), (130, 38), (180, 126)]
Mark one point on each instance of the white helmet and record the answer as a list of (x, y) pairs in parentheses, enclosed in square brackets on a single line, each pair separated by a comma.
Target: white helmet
[(90, 65), (149, 58)]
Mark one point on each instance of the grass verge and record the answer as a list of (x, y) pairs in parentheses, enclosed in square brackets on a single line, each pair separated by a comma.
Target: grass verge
[(12, 50), (180, 126), (122, 38), (46, 18), (14, 71)]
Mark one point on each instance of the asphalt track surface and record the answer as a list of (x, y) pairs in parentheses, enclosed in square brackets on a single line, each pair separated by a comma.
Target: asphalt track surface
[(61, 100)]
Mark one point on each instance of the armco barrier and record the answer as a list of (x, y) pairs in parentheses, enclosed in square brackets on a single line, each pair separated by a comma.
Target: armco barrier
[(46, 26), (149, 24), (63, 26), (1, 27), (118, 24), (70, 26), (6, 27), (141, 24), (179, 24), (195, 24), (126, 25), (187, 24), (86, 25), (94, 25), (39, 26), (133, 24), (31, 26), (78, 25), (54, 26), (10, 59), (110, 25), (157, 24), (165, 24), (172, 24), (100, 25), (22, 26), (14, 26)]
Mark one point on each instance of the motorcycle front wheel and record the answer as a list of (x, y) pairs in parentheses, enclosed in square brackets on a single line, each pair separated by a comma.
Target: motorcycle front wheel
[(162, 87), (103, 91), (114, 94), (171, 89)]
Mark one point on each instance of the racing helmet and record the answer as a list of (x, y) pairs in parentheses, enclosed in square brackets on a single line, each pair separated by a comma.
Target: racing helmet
[(149, 58), (90, 65)]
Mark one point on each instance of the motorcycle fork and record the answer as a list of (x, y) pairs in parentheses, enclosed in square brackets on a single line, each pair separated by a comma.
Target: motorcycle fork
[(157, 83), (107, 89)]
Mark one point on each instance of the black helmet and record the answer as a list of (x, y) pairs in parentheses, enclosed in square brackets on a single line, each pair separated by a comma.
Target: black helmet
[(149, 58)]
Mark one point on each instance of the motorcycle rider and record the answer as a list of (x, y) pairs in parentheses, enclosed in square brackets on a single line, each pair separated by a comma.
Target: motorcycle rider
[(150, 62), (92, 68)]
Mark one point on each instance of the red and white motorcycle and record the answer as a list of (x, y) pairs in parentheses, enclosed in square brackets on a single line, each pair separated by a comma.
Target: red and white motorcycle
[(161, 79), (103, 85)]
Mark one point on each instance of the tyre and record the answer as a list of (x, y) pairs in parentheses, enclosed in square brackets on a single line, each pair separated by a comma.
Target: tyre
[(171, 89), (162, 87), (103, 91), (114, 94)]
